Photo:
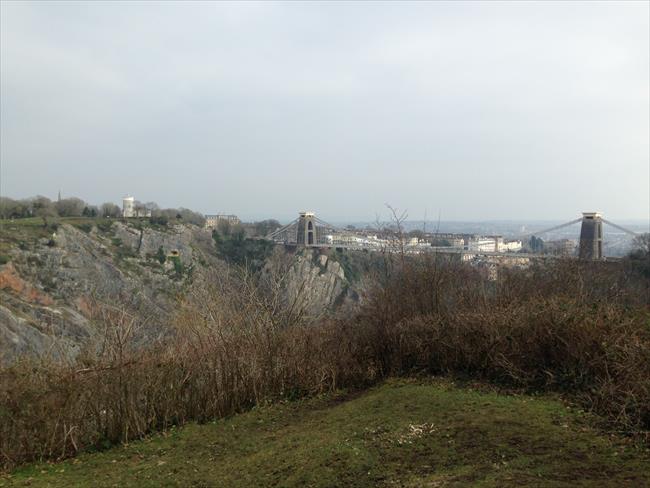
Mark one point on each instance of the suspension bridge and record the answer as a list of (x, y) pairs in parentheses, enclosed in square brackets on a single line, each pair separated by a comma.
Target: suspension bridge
[(309, 231)]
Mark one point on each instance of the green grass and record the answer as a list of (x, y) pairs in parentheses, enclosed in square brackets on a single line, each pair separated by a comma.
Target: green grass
[(38, 221), (26, 232), (402, 433), (30, 221), (22, 233)]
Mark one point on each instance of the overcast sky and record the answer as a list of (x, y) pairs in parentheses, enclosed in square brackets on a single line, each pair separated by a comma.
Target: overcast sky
[(474, 110)]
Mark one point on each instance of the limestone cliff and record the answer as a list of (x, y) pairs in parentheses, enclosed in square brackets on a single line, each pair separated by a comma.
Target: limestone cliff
[(317, 281), (50, 284)]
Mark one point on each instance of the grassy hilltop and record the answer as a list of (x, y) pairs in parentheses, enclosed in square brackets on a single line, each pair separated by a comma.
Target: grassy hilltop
[(401, 433)]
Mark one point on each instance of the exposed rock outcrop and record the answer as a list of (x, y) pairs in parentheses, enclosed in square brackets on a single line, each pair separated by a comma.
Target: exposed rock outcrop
[(147, 241), (48, 289), (318, 281)]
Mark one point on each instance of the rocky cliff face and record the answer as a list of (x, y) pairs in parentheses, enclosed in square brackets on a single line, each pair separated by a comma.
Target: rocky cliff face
[(317, 281), (51, 285), (54, 282), (147, 241)]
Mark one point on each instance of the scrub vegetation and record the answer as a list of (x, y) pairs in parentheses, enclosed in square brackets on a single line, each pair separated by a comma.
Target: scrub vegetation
[(581, 330)]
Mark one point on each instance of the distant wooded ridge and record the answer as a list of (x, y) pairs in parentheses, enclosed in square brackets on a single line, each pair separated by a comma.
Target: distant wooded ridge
[(40, 206)]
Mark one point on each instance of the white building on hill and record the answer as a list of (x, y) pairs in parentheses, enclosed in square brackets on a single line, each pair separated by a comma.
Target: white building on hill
[(131, 208), (128, 207)]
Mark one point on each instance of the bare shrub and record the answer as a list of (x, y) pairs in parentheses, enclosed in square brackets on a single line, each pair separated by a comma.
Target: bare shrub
[(575, 327)]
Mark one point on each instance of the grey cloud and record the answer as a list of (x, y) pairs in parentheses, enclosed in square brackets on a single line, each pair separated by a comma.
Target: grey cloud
[(479, 110)]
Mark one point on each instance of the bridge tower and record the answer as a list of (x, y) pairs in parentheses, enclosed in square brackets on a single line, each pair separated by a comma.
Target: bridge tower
[(591, 236), (306, 229)]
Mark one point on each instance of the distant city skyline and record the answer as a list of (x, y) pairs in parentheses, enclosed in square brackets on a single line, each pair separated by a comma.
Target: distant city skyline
[(479, 111)]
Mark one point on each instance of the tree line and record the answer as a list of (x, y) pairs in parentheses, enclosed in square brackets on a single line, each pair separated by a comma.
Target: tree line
[(43, 207)]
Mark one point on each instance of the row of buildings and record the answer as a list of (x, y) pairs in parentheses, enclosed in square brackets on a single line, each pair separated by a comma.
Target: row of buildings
[(213, 221), (491, 244), (472, 243), (475, 242)]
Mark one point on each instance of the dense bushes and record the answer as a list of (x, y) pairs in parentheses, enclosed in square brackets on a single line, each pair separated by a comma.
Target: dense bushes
[(575, 327), (599, 355), (578, 328), (234, 247)]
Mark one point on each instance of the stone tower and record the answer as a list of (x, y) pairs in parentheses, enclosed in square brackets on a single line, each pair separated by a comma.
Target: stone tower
[(591, 236), (128, 207), (306, 229)]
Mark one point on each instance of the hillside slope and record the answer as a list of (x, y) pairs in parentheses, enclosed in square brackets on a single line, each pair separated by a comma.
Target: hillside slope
[(403, 433), (54, 277)]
